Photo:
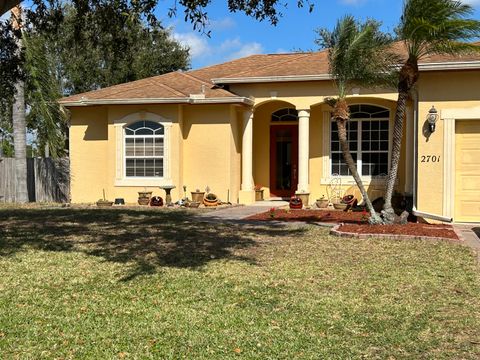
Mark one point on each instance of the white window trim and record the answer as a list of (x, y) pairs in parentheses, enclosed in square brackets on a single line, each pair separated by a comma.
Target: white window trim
[(327, 151), (120, 178), (154, 136)]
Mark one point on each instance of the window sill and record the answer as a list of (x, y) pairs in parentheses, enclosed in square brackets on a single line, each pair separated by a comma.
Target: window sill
[(146, 181)]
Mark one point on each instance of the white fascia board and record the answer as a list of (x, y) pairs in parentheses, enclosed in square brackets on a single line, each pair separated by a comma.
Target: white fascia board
[(456, 65), (186, 100), (267, 79)]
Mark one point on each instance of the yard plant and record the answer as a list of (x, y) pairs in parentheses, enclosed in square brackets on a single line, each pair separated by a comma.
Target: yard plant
[(120, 283), (427, 27)]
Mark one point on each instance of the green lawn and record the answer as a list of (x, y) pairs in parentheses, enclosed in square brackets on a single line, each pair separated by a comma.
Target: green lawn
[(124, 283)]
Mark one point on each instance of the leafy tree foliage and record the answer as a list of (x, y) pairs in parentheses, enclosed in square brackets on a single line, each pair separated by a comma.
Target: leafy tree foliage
[(129, 50), (63, 62)]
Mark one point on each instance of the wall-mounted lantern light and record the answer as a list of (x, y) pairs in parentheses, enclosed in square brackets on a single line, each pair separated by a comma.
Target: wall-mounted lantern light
[(432, 118)]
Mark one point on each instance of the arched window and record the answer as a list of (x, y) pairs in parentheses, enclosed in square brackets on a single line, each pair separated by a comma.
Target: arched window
[(287, 114), (144, 149), (368, 139)]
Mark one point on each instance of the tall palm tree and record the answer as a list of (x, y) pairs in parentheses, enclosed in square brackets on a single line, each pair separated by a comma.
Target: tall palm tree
[(46, 115), (358, 54), (426, 27), (19, 122)]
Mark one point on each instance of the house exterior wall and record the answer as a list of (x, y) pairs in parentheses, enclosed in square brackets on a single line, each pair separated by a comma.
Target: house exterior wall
[(203, 149), (456, 95), (206, 141), (305, 95)]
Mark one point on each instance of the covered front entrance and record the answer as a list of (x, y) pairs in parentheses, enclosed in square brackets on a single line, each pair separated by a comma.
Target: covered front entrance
[(283, 160)]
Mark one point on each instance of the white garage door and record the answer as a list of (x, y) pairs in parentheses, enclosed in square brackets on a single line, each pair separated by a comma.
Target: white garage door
[(467, 179)]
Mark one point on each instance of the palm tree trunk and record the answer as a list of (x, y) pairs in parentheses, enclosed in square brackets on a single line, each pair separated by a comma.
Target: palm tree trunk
[(19, 126), (388, 211), (20, 143), (341, 117), (408, 78)]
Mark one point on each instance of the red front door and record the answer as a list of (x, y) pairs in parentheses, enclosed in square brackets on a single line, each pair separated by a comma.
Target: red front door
[(283, 160)]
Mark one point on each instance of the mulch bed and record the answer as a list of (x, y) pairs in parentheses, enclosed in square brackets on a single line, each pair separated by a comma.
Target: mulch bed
[(355, 222), (327, 216), (411, 229)]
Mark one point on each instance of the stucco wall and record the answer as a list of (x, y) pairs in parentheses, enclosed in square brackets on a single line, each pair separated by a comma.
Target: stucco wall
[(211, 150), (204, 150), (319, 154), (449, 92)]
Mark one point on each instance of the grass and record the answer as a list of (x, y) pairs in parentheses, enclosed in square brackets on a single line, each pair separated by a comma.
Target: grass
[(161, 284)]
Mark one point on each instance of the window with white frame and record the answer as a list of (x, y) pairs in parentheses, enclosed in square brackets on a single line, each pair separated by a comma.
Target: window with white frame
[(286, 114), (368, 140), (144, 149)]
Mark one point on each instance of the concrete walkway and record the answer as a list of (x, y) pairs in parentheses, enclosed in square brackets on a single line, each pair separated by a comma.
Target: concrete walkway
[(471, 235), (238, 213)]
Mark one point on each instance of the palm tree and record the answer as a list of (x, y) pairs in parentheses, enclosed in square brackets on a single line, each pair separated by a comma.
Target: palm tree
[(358, 54), (426, 27), (19, 122), (46, 115)]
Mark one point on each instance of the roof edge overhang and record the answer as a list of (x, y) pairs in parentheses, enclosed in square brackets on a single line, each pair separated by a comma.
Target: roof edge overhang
[(187, 100), (267, 79), (454, 65), (438, 66)]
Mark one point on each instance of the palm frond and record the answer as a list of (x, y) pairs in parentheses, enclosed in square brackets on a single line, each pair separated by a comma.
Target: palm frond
[(437, 27), (359, 54), (46, 116)]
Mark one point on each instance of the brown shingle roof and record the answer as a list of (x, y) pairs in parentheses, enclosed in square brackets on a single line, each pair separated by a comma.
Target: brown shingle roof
[(178, 85), (174, 85)]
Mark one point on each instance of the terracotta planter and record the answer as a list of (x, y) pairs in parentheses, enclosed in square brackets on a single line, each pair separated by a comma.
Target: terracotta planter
[(104, 203), (322, 203), (197, 196), (259, 195), (340, 206), (144, 197), (304, 197), (210, 200), (295, 203), (193, 204)]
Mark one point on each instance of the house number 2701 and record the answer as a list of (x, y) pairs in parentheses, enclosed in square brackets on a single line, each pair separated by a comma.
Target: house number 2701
[(430, 158)]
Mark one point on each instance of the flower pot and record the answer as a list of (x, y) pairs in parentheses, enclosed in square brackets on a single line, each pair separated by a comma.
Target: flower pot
[(259, 195), (304, 197), (340, 206), (104, 203), (193, 204), (295, 203), (144, 197), (322, 203), (197, 196), (156, 201), (210, 200)]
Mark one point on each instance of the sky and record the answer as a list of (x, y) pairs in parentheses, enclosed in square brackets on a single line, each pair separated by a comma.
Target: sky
[(234, 35)]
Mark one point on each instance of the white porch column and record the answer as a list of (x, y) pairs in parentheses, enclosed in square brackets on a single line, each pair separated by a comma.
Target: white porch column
[(247, 193), (303, 150)]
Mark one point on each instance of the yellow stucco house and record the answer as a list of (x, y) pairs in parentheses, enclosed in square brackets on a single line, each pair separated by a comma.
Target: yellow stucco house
[(262, 120)]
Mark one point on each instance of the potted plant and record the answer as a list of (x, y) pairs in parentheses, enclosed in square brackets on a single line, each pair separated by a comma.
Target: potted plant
[(303, 195), (322, 202), (197, 196), (144, 197), (258, 193), (104, 202), (295, 203), (210, 200)]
